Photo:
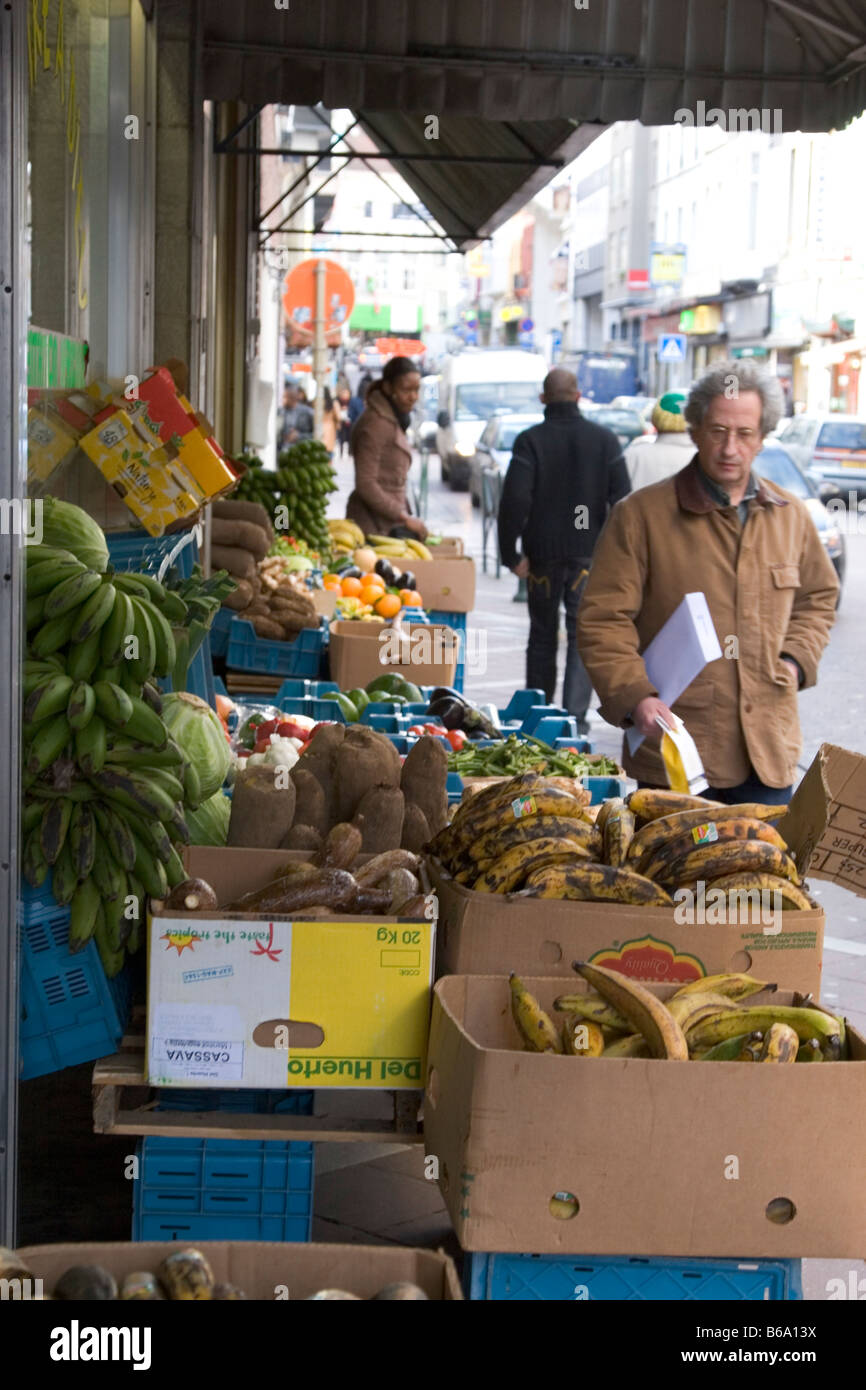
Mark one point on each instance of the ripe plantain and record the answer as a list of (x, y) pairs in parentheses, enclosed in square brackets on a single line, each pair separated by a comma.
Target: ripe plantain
[(540, 801), (581, 1038), (781, 1044), (644, 1011), (512, 867), (704, 836), (650, 836), (594, 1009), (618, 831), (731, 985), (793, 898), (688, 1009), (633, 1045), (534, 1026), (738, 856), (807, 1023), (595, 883), (751, 1048), (650, 805), (612, 803), (492, 845)]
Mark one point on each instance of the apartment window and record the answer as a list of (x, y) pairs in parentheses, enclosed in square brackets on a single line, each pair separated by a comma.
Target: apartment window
[(626, 174), (694, 224), (611, 252), (791, 188), (622, 249), (679, 224), (368, 209), (408, 277), (666, 227)]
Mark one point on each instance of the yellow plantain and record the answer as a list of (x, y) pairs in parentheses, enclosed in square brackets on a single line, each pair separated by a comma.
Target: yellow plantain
[(649, 837), (592, 1007), (793, 898), (807, 1023), (581, 1038), (751, 1047), (731, 986), (533, 1024), (781, 1044), (651, 805), (702, 836), (810, 1051), (645, 1012), (595, 883), (618, 834), (492, 845), (538, 801), (512, 867), (496, 792), (613, 803), (737, 856), (688, 1009), (635, 1045)]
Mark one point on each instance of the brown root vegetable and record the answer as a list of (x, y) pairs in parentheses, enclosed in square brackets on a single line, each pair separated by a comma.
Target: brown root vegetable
[(227, 509), (193, 895), (401, 1292), (224, 1292), (341, 848), (416, 831), (402, 885), (241, 598), (85, 1283), (378, 868), (262, 811), (328, 888), (379, 818), (244, 534), (319, 758), (302, 836), (311, 803), (424, 780), (414, 909), (233, 558), (365, 759), (371, 900), (267, 627)]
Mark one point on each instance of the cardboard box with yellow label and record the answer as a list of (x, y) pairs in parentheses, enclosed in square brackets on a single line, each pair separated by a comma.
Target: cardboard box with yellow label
[(242, 1002)]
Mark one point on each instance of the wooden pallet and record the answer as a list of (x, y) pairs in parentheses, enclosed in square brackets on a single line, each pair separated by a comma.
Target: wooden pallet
[(123, 1103)]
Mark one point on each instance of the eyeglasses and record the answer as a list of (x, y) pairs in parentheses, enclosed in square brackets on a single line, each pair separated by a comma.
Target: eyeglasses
[(719, 435)]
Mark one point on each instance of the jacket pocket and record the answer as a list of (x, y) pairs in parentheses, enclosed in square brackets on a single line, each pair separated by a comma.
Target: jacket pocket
[(785, 576)]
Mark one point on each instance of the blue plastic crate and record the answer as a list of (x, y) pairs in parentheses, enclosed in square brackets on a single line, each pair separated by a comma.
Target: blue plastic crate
[(620, 1278), (240, 1102), (219, 632), (70, 1012), (223, 1189), (457, 621), (602, 788), (247, 652)]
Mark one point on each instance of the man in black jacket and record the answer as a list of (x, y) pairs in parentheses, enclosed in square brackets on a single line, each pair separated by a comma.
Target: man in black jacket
[(563, 479)]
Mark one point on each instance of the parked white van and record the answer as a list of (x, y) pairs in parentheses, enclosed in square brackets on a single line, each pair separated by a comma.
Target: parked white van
[(474, 385)]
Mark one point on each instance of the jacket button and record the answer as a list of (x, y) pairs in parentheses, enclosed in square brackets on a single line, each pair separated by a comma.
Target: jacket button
[(747, 708)]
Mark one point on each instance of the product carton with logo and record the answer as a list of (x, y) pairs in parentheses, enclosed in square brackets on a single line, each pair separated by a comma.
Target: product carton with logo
[(564, 1155), (424, 653), (236, 1001)]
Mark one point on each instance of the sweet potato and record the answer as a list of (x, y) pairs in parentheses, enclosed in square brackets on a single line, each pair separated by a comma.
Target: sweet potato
[(241, 598), (268, 628), (238, 562), (365, 759), (416, 831), (424, 780), (238, 532), (302, 837), (379, 818), (227, 509), (261, 812)]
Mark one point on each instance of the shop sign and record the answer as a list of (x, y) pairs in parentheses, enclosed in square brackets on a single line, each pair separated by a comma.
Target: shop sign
[(55, 362), (39, 62), (704, 318), (511, 312), (638, 279), (667, 264), (748, 317)]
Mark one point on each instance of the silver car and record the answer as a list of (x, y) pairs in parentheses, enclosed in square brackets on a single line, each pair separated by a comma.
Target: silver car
[(494, 447), (831, 448), (775, 463)]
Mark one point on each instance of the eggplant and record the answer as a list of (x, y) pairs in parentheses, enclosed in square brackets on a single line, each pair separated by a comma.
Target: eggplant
[(351, 572), (442, 690), (405, 581), (451, 711), (386, 571)]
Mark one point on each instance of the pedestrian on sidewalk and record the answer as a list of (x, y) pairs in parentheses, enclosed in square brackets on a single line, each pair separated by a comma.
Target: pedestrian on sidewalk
[(330, 422), (754, 551), (564, 476), (651, 457), (296, 417), (383, 454)]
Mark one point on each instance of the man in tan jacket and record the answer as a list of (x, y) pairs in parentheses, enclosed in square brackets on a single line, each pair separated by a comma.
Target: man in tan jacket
[(754, 551)]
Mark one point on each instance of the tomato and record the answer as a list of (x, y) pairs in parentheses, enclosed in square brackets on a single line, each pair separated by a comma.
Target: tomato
[(456, 738)]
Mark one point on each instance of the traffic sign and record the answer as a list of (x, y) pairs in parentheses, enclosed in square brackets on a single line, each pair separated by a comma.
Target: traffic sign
[(672, 347), (299, 300)]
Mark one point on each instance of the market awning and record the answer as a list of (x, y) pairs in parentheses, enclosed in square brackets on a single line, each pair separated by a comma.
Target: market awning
[(532, 80)]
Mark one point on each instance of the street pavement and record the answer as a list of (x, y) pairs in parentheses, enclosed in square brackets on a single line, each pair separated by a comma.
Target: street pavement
[(387, 1198)]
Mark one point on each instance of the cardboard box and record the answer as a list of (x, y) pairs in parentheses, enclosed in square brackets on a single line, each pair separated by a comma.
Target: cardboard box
[(240, 1002), (826, 820), (425, 653), (446, 583), (485, 933), (265, 1270), (663, 1158), (324, 602)]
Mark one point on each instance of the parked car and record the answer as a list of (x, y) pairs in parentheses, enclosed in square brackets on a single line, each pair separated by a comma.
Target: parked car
[(832, 448), (626, 424), (778, 465), (493, 449), (642, 404), (474, 386)]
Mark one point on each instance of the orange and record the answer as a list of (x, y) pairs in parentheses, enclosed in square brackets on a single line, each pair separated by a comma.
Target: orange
[(372, 581), (371, 593), (351, 587), (411, 598), (331, 581), (388, 606)]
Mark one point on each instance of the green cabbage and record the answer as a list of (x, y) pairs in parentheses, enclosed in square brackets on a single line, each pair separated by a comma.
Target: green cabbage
[(209, 825), (200, 736), (69, 528)]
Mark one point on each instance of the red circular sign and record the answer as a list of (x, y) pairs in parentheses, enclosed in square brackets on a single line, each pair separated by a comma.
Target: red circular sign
[(299, 300)]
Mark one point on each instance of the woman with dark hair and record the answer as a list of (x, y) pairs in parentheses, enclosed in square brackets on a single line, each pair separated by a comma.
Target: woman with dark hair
[(383, 455), (330, 422)]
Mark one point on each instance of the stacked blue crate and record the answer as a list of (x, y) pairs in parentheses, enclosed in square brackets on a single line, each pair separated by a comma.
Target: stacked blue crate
[(457, 621), (70, 1012), (620, 1278), (247, 652)]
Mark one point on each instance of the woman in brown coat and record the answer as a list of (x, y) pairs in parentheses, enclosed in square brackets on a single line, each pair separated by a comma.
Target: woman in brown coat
[(383, 455)]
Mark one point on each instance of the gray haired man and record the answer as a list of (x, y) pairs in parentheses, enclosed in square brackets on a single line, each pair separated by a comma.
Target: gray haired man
[(754, 551)]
